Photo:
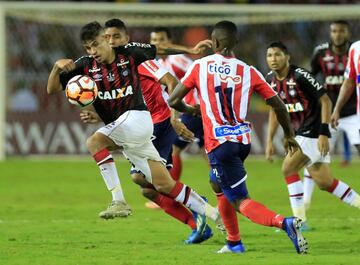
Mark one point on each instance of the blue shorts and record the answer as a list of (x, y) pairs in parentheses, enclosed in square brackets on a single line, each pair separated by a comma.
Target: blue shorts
[(195, 125), (227, 169), (163, 137)]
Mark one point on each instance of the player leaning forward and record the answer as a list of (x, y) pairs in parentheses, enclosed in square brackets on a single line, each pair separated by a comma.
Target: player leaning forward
[(121, 106), (225, 85), (309, 108)]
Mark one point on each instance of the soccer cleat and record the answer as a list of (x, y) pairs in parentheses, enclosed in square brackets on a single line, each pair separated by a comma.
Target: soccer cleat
[(116, 209), (196, 237), (239, 248), (292, 227), (152, 205)]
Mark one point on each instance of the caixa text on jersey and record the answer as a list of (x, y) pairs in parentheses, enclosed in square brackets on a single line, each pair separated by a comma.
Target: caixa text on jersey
[(116, 93)]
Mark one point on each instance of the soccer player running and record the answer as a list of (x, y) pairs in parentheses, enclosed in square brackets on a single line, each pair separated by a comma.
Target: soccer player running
[(225, 85), (121, 107), (152, 79), (177, 64), (351, 83), (328, 65), (309, 108)]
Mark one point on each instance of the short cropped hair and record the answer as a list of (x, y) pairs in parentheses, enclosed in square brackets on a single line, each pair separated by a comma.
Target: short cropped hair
[(280, 45), (90, 31), (116, 23), (163, 29), (341, 22), (228, 26)]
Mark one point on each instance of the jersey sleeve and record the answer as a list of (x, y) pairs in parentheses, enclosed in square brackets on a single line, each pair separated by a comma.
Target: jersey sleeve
[(152, 69), (315, 63), (309, 83), (80, 65), (260, 86), (190, 79), (350, 72), (141, 51)]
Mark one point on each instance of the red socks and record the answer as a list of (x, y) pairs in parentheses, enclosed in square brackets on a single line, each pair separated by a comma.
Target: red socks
[(176, 210), (175, 172), (229, 218), (259, 214)]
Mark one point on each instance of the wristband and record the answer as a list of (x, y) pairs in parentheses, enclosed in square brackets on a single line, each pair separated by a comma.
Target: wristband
[(324, 129)]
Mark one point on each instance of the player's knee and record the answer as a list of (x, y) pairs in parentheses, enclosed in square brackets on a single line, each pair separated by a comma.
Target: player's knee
[(151, 194), (287, 170), (215, 187), (90, 143)]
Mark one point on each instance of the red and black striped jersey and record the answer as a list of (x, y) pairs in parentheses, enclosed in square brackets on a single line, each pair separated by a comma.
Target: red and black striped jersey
[(300, 92), (329, 67), (118, 83)]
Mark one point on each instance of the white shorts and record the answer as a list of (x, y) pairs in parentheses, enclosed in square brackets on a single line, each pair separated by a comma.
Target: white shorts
[(132, 131), (309, 147), (351, 126)]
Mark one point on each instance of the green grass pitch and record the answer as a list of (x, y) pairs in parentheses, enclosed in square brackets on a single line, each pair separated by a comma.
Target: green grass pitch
[(49, 215)]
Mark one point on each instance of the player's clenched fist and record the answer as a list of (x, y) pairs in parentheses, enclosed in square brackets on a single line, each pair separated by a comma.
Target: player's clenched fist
[(66, 65), (88, 116)]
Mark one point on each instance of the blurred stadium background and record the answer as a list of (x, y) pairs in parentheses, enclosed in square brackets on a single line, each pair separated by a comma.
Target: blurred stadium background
[(49, 207), (34, 35)]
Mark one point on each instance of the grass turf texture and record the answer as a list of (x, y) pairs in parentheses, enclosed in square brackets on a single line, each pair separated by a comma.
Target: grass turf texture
[(49, 208)]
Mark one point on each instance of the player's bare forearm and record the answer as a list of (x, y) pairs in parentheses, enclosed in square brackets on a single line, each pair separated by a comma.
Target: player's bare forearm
[(53, 84), (325, 109), (272, 126), (346, 90), (172, 49), (282, 115), (169, 81), (167, 49)]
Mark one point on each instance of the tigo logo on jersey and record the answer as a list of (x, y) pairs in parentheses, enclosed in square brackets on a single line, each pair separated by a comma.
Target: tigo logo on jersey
[(224, 72), (116, 93)]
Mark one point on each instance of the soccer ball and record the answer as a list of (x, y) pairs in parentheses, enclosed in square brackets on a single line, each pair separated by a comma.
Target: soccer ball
[(81, 90)]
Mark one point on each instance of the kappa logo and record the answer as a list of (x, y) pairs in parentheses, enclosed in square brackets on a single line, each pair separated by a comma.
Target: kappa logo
[(110, 77), (224, 73)]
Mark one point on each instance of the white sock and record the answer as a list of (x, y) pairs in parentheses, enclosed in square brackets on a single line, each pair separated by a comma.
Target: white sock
[(193, 201), (309, 185), (111, 178), (296, 195), (345, 193)]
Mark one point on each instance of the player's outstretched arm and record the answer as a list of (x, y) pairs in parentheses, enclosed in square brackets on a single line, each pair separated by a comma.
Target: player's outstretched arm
[(323, 142), (167, 49), (284, 120), (346, 90), (62, 65), (180, 128), (175, 101), (272, 127)]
